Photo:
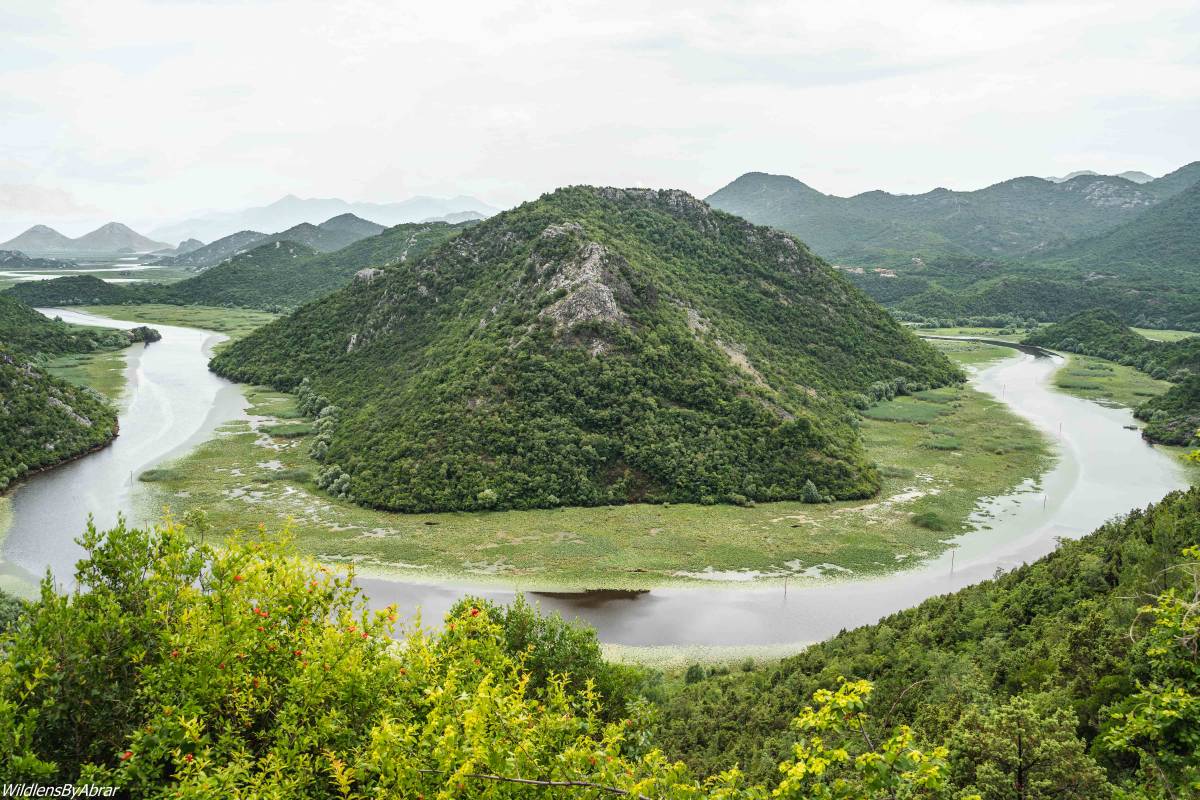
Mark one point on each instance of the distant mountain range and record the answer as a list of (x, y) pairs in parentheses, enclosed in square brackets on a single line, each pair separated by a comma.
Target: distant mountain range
[(1017, 218), (106, 240), (1134, 175), (332, 234), (290, 211)]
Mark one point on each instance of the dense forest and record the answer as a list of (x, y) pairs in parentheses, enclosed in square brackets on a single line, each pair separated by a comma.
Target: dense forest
[(277, 275), (1171, 418), (44, 420), (24, 329), (594, 346), (180, 669)]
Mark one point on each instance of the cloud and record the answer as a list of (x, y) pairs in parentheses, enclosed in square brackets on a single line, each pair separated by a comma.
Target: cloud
[(153, 108), (26, 199)]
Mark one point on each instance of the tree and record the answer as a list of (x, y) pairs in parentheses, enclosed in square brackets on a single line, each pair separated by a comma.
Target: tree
[(1025, 749), (1160, 723)]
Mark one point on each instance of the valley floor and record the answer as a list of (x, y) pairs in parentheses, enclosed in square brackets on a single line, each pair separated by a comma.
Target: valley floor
[(940, 452)]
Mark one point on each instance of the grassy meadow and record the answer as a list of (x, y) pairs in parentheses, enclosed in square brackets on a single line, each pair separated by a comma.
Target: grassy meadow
[(939, 452)]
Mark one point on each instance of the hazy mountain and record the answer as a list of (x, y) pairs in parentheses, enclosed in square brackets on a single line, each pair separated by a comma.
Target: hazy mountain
[(107, 239), (1014, 218), (39, 239), (594, 346), (1132, 175), (116, 238), (332, 234), (457, 217), (215, 252), (281, 275), (291, 210)]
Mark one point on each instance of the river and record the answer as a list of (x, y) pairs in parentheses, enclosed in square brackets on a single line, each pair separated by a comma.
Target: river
[(173, 402)]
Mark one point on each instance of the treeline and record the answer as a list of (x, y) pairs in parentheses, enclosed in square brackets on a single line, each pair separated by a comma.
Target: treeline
[(176, 668), (1171, 418)]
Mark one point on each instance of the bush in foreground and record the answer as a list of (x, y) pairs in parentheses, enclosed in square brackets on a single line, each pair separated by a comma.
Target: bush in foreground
[(183, 670)]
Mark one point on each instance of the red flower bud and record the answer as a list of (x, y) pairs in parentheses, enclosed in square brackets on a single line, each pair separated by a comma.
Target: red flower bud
[(128, 754), (474, 612), (238, 577)]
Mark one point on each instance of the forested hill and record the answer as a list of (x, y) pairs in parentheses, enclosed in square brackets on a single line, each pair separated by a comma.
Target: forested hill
[(25, 330), (1014, 218), (1047, 652), (283, 275), (593, 346), (44, 420), (1156, 246)]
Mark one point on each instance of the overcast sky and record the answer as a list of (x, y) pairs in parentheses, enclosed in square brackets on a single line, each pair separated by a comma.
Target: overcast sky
[(147, 110)]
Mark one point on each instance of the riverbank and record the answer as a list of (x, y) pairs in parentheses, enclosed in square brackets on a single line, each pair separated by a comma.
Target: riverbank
[(940, 452)]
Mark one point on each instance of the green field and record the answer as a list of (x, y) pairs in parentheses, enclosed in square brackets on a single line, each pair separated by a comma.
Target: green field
[(1107, 382), (939, 452), (104, 372), (987, 333), (1165, 335), (235, 322)]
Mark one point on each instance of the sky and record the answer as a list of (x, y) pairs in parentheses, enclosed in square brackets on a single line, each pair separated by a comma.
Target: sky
[(147, 111)]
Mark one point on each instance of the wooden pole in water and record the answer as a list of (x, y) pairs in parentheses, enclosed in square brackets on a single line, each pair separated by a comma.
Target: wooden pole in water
[(951, 562)]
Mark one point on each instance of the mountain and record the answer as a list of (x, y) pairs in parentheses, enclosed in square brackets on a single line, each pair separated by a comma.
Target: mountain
[(107, 239), (457, 217), (291, 210), (39, 239), (332, 234), (1021, 217), (183, 248), (215, 252), (597, 345), (115, 238), (276, 275), (282, 275), (1135, 176), (1156, 246), (1010, 219), (13, 259)]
